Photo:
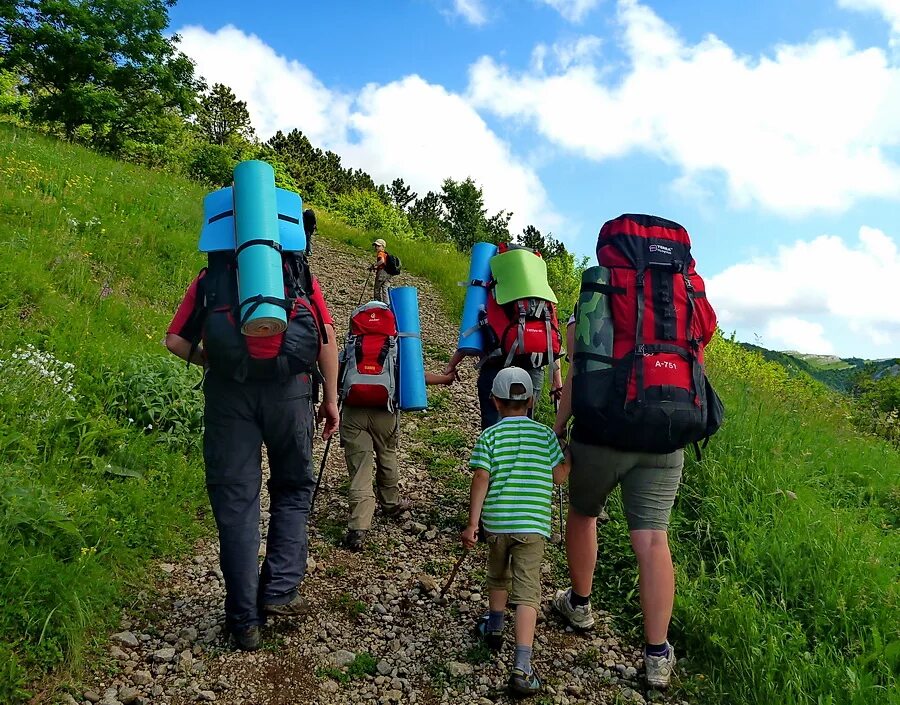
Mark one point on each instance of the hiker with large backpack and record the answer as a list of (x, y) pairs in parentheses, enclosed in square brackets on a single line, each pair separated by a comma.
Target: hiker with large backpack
[(263, 339), (370, 418), (386, 266), (516, 325), (638, 394)]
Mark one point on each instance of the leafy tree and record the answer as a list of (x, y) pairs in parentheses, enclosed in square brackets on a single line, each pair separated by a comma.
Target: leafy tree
[(549, 247), (105, 64), (12, 102), (463, 202), (401, 194), (221, 116), (427, 218), (497, 227)]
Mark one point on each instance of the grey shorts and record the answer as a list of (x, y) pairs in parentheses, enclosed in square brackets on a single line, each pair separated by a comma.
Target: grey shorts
[(649, 483)]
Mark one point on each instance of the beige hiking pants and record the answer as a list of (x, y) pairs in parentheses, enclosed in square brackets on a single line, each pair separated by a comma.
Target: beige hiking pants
[(381, 286), (364, 430)]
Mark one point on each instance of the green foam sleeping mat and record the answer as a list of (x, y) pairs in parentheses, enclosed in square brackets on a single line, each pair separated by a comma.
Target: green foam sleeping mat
[(520, 274)]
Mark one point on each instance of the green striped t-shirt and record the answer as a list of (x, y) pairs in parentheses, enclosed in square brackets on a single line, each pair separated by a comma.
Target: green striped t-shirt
[(519, 454)]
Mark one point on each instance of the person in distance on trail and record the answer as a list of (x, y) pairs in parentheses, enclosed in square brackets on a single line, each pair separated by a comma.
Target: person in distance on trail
[(382, 277), (638, 394), (515, 463), (260, 390)]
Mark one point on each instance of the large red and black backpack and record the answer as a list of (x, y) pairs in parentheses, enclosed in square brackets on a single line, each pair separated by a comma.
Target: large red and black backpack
[(369, 359), (655, 396), (524, 332), (217, 313)]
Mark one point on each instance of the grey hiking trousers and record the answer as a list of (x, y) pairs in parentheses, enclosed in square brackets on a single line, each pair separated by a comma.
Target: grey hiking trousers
[(238, 419)]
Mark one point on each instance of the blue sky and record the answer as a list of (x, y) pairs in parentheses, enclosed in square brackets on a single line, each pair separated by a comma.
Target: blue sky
[(770, 130)]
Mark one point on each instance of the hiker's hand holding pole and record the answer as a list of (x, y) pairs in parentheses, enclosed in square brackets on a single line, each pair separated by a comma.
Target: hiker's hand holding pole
[(328, 364), (469, 536)]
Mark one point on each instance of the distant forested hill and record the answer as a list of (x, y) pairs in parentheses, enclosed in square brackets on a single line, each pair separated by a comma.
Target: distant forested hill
[(838, 373)]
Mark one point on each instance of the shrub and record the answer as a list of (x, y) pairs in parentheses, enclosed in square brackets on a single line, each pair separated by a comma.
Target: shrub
[(212, 164)]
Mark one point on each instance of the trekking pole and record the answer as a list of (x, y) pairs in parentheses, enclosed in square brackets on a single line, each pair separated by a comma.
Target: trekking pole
[(452, 575), (312, 502), (365, 286), (559, 487)]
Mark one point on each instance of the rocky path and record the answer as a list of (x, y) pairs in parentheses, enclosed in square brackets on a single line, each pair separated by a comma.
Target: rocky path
[(376, 633)]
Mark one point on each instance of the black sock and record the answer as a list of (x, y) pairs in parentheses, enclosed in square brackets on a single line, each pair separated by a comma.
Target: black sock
[(577, 600), (657, 649)]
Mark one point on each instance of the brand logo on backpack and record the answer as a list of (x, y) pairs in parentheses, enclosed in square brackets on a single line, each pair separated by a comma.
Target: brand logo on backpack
[(369, 359), (652, 393)]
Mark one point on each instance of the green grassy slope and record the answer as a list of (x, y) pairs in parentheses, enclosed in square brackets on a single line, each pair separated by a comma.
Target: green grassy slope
[(98, 425), (786, 535)]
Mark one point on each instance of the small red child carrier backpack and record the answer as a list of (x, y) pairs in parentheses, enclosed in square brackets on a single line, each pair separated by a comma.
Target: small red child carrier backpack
[(654, 396), (369, 359), (524, 332)]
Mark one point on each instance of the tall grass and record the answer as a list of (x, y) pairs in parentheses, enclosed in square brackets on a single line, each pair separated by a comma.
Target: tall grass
[(98, 426)]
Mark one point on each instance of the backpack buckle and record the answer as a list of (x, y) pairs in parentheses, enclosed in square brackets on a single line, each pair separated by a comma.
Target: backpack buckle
[(640, 351)]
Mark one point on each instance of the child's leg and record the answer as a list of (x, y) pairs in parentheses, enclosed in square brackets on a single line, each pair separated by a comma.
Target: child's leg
[(525, 567), (498, 580)]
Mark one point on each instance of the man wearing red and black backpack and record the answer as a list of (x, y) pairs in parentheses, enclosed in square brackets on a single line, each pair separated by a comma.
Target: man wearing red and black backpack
[(638, 395), (520, 332), (370, 421), (259, 390)]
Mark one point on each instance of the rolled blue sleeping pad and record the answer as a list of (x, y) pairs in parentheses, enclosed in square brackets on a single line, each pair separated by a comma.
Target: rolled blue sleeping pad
[(405, 303), (218, 221), (258, 263), (471, 339)]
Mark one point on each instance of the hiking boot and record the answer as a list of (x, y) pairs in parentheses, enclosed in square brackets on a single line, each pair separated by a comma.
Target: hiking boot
[(247, 639), (659, 668), (296, 607), (355, 540), (521, 683), (493, 640), (578, 617), (404, 505)]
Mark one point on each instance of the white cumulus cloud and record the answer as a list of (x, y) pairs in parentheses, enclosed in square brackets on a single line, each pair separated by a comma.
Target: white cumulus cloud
[(281, 94), (850, 287), (572, 10), (472, 11), (808, 127), (792, 333), (408, 128)]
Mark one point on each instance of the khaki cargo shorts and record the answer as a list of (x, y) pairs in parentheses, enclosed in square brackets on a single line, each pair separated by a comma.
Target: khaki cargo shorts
[(649, 483), (514, 565)]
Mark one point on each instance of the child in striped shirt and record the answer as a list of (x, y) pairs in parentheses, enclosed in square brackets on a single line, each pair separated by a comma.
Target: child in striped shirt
[(515, 464)]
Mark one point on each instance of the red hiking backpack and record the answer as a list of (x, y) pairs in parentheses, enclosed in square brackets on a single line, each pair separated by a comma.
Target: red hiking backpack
[(369, 360), (524, 332), (655, 396)]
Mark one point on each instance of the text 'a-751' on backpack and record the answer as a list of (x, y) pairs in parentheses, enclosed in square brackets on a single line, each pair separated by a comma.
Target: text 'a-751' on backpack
[(369, 358), (642, 322)]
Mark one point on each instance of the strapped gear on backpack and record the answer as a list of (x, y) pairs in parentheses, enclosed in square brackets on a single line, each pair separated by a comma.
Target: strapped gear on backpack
[(522, 331), (217, 313), (650, 392), (369, 359)]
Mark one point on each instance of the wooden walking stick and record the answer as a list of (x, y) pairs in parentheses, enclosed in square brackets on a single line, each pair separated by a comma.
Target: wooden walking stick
[(441, 597)]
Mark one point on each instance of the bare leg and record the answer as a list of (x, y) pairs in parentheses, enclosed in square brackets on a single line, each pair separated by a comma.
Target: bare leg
[(657, 582), (526, 619), (581, 550), (497, 600)]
